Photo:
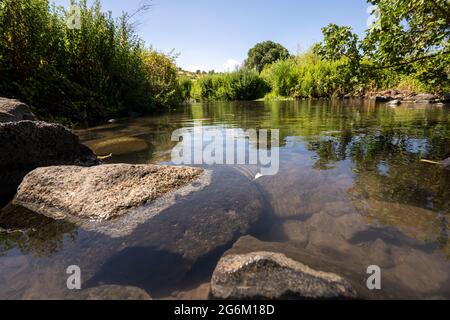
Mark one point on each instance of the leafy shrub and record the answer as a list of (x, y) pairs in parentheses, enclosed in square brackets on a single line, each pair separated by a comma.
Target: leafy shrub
[(239, 85), (83, 76)]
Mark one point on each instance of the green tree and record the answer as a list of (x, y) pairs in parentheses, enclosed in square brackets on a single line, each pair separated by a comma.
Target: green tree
[(412, 36), (162, 74), (265, 53), (406, 31), (338, 42)]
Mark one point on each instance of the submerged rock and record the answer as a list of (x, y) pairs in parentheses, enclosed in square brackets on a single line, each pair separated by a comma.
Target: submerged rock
[(163, 251), (27, 145), (13, 110), (101, 192), (111, 292), (119, 146), (273, 275)]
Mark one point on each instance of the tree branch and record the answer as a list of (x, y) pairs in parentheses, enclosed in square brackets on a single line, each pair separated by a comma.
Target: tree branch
[(412, 60)]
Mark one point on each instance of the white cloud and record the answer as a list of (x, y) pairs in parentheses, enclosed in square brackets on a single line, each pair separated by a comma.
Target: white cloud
[(231, 65)]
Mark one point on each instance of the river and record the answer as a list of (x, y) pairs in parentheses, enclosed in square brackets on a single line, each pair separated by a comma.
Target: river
[(351, 189)]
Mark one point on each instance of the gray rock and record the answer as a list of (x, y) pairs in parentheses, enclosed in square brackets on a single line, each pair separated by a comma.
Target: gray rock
[(382, 99), (394, 103), (27, 145), (13, 110), (100, 192), (422, 98), (111, 292), (273, 275), (446, 163), (445, 98)]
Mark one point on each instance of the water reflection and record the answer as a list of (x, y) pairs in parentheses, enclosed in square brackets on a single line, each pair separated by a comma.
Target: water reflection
[(31, 233)]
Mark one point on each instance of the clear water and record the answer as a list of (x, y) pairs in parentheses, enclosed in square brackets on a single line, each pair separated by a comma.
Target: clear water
[(351, 192)]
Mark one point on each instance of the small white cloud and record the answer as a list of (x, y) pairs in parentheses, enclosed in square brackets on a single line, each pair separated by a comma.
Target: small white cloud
[(231, 65)]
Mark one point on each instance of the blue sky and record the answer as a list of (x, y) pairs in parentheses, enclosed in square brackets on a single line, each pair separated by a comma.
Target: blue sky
[(216, 34)]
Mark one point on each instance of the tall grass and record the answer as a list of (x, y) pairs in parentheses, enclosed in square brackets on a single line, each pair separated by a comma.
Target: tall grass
[(239, 85), (309, 76)]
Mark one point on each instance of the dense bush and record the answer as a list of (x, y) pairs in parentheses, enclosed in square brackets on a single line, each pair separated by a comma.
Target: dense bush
[(239, 85), (309, 76), (80, 75)]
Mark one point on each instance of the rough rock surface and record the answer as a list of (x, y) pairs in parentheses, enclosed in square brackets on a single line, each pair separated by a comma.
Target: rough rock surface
[(421, 98), (273, 275), (395, 97), (111, 292), (13, 110), (100, 192), (27, 145)]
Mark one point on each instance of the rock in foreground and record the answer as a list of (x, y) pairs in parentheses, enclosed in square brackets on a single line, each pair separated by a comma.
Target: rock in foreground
[(111, 292), (27, 145), (272, 275), (13, 110), (100, 192)]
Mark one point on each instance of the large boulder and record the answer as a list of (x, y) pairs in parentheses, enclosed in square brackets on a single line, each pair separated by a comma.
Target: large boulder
[(271, 274), (100, 192), (27, 145), (13, 110)]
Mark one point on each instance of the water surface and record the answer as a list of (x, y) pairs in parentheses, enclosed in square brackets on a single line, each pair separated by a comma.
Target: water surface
[(351, 192)]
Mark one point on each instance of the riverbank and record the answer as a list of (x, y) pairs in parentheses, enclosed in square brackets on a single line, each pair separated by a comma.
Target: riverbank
[(396, 97)]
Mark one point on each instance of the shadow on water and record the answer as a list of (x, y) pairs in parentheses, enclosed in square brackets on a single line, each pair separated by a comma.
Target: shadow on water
[(149, 268)]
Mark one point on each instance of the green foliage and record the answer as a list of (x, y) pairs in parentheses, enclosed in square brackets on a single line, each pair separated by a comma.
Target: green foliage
[(309, 76), (408, 29), (239, 85), (162, 76), (265, 53), (186, 85), (414, 37), (338, 42), (85, 75), (282, 76)]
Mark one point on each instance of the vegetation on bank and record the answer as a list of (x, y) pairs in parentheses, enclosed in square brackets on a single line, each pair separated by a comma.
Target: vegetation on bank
[(238, 85), (104, 69), (406, 48), (80, 75)]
